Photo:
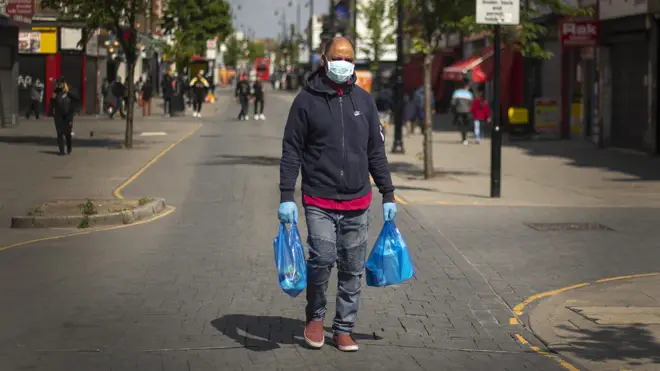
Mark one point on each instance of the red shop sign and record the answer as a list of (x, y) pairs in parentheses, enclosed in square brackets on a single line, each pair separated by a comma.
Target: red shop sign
[(579, 33), (20, 10)]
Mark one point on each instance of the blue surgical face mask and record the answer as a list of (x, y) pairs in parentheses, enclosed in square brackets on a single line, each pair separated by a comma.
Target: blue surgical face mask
[(340, 71)]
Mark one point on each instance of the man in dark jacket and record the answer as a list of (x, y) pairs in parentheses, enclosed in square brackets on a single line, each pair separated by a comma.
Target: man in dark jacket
[(199, 87), (259, 96), (36, 97), (168, 92), (243, 95), (118, 90), (63, 102), (334, 134)]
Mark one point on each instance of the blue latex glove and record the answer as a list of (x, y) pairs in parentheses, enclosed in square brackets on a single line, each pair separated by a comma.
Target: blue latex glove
[(389, 211), (288, 212)]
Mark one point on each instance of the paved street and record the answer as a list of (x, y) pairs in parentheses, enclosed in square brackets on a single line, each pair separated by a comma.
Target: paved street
[(197, 290)]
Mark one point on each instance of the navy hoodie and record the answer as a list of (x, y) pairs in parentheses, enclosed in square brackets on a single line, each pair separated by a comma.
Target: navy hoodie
[(337, 140)]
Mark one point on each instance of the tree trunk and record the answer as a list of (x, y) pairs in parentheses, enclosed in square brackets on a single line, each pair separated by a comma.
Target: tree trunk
[(130, 103), (428, 118)]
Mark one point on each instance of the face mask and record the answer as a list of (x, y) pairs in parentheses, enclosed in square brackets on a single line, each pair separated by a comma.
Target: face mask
[(340, 71)]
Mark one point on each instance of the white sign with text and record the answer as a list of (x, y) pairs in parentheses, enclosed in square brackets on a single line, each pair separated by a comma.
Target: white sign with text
[(504, 12)]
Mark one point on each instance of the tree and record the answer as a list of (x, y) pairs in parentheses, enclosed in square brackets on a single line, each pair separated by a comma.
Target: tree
[(434, 20), (378, 16), (234, 51), (193, 22), (256, 49), (119, 16)]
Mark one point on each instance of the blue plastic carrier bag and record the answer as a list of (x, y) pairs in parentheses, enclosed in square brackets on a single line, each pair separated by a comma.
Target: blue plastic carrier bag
[(290, 260), (389, 262)]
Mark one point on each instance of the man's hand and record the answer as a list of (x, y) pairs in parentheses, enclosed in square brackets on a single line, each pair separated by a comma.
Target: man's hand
[(389, 211), (288, 212)]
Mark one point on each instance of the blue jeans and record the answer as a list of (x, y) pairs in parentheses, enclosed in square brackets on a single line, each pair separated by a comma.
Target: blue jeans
[(477, 130), (336, 236)]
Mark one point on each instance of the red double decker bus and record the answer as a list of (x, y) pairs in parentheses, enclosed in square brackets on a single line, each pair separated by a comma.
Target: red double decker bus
[(262, 68)]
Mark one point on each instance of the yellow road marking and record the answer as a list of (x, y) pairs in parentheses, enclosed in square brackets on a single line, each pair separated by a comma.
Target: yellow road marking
[(627, 277), (168, 211), (514, 321), (518, 309), (117, 191), (542, 352)]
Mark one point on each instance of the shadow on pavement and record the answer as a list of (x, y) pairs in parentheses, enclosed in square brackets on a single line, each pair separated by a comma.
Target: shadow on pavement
[(264, 333), (411, 170), (52, 141), (632, 344), (226, 160)]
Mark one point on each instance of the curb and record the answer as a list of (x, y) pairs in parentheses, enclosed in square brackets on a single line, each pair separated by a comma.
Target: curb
[(125, 217)]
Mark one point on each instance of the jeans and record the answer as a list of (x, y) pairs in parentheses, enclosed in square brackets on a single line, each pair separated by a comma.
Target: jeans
[(63, 128), (34, 108), (167, 106), (258, 105), (477, 130), (197, 104), (462, 120), (243, 99), (341, 237)]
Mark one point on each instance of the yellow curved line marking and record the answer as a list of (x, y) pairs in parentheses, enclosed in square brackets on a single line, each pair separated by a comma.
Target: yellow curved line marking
[(627, 277), (117, 191), (168, 211), (518, 309)]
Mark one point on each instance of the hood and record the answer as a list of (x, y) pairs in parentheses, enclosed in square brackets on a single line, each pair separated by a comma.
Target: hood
[(318, 83)]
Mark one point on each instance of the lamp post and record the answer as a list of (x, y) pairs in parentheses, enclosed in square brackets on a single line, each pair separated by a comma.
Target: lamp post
[(397, 146)]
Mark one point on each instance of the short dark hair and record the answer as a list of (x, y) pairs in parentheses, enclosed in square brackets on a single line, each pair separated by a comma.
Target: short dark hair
[(329, 43)]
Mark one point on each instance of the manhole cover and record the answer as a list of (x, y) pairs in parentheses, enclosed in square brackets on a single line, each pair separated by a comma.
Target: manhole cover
[(550, 227)]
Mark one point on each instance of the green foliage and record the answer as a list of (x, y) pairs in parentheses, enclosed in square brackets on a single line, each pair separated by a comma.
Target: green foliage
[(435, 19), (379, 34), (290, 46), (256, 49), (193, 22)]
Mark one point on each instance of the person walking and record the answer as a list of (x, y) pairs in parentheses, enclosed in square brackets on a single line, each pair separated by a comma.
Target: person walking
[(461, 104), (199, 89), (36, 89), (420, 108), (480, 114), (243, 96), (168, 92), (334, 135), (105, 89), (118, 90), (147, 93), (259, 95), (63, 102)]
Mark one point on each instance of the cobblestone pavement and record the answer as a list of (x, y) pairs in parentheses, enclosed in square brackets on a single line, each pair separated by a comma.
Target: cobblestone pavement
[(197, 290)]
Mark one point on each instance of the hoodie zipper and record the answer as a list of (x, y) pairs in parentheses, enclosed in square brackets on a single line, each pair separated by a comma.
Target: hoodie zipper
[(343, 140)]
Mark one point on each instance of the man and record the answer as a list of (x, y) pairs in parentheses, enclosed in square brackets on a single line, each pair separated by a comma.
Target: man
[(420, 108), (461, 103), (105, 89), (199, 90), (333, 132), (36, 97), (118, 91), (243, 95), (63, 101), (168, 91), (258, 94)]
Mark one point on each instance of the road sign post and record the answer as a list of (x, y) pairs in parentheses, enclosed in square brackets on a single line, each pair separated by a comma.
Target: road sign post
[(497, 13)]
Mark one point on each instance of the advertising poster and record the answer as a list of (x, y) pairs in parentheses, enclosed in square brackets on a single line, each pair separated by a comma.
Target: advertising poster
[(546, 116), (29, 42)]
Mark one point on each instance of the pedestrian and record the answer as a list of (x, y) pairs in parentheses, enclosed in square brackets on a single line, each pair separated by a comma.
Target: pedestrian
[(147, 93), (333, 132), (105, 89), (63, 102), (461, 104), (243, 96), (420, 107), (480, 113), (168, 92), (259, 99), (36, 89), (117, 90), (199, 90)]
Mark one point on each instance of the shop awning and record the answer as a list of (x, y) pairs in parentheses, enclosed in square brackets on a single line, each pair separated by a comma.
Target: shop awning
[(459, 70)]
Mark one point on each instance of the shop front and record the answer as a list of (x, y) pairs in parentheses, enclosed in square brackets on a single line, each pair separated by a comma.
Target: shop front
[(38, 63), (8, 71)]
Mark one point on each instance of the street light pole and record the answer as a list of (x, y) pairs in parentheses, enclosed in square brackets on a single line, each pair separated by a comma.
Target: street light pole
[(310, 35), (496, 132), (397, 146)]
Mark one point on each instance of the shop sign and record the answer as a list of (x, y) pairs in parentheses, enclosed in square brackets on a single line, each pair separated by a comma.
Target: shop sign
[(609, 9), (579, 33), (20, 10)]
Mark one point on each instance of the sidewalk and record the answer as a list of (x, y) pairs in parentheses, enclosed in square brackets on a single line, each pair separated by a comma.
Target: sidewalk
[(612, 325), (557, 173), (34, 173)]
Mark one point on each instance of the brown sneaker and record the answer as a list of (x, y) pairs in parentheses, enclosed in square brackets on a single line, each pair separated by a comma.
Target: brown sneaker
[(314, 334), (345, 343)]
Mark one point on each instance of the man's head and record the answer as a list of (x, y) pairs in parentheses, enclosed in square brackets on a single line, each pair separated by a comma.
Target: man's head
[(60, 83), (339, 59)]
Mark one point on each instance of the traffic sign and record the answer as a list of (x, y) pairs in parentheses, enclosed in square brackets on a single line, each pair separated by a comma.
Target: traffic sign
[(502, 12)]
